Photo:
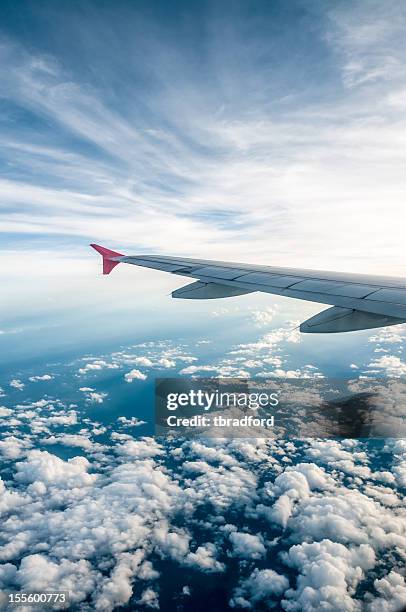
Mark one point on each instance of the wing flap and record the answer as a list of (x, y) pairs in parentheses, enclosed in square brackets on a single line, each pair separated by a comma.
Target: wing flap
[(394, 296), (270, 280), (218, 272)]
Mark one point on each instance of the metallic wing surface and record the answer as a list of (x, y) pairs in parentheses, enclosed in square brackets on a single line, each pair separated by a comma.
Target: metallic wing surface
[(358, 301)]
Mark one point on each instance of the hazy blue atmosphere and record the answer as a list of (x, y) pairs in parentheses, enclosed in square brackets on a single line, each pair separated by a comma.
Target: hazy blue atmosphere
[(264, 132)]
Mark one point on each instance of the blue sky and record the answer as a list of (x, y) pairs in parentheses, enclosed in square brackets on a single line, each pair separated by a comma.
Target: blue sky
[(269, 132)]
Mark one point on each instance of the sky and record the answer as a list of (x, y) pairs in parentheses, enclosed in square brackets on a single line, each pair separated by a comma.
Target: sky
[(267, 132)]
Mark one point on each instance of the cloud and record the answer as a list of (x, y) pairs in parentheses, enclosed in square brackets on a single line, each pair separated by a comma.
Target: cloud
[(261, 586), (42, 377), (342, 456), (13, 447), (66, 493), (367, 45), (305, 372), (92, 396), (262, 318), (194, 369), (391, 365), (134, 375), (73, 440), (149, 599), (17, 384), (121, 504), (398, 448), (97, 364), (329, 573), (247, 546), (44, 467), (37, 572), (268, 342), (132, 422), (392, 591), (97, 398), (140, 449), (142, 361), (204, 559), (388, 335), (70, 418)]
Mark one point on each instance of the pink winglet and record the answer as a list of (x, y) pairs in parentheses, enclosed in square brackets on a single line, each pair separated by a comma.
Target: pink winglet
[(108, 255)]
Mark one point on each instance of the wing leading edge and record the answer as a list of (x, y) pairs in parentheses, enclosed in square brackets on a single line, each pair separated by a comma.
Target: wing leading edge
[(358, 301)]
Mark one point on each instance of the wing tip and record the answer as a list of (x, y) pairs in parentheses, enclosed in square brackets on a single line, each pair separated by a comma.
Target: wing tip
[(107, 254)]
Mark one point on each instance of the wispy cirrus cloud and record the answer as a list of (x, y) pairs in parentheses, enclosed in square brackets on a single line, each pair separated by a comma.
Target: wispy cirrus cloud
[(218, 138)]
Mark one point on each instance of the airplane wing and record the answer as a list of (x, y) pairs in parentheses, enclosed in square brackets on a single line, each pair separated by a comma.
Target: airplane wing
[(358, 301)]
